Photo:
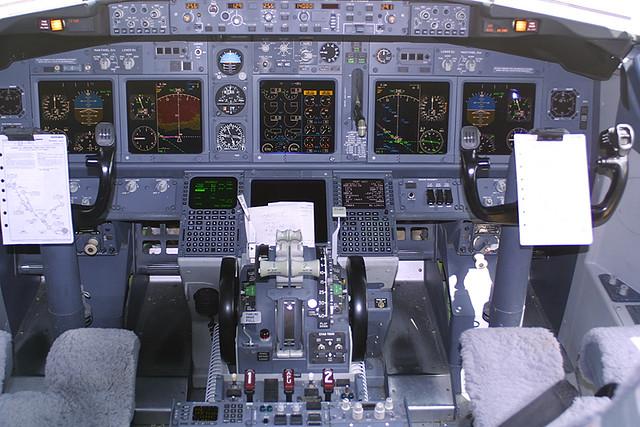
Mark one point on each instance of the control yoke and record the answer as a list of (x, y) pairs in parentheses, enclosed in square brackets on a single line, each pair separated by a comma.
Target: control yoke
[(615, 144), (104, 162), (471, 163)]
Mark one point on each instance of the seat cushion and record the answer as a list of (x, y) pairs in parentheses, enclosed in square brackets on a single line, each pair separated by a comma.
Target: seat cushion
[(506, 368)]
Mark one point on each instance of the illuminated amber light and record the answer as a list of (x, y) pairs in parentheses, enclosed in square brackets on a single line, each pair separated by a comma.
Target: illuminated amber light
[(520, 26), (57, 25)]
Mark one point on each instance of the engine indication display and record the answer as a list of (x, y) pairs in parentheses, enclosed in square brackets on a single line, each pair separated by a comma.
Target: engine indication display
[(165, 117), (297, 116), (411, 117), (74, 108), (499, 110)]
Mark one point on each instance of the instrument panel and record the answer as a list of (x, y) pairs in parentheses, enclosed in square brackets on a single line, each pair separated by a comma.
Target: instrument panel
[(74, 108), (295, 109), (165, 116), (297, 116), (500, 111), (411, 117)]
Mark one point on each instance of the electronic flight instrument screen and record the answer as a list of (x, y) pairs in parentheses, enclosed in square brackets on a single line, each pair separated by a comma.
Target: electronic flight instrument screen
[(213, 193), (499, 110), (164, 117), (74, 108), (297, 116), (363, 194), (411, 117)]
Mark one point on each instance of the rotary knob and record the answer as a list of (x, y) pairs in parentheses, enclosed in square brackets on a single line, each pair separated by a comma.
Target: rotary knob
[(236, 20)]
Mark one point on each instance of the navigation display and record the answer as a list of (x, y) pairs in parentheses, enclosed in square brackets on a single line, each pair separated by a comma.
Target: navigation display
[(411, 117), (164, 117), (297, 116), (499, 110), (213, 193), (74, 108), (363, 194)]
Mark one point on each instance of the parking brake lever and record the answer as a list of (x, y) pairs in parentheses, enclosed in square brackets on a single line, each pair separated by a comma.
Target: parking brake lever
[(104, 162)]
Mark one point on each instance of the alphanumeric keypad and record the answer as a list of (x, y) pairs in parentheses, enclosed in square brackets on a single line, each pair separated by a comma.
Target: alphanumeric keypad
[(233, 413), (366, 232), (210, 232)]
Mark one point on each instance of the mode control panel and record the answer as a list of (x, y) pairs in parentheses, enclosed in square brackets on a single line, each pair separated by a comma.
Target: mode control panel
[(139, 18), (389, 18), (440, 20)]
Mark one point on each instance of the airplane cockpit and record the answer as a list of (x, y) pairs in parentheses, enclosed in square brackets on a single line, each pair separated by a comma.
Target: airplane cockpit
[(322, 213)]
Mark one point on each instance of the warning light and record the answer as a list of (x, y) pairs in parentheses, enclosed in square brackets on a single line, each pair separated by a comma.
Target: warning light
[(520, 26), (525, 25), (57, 25)]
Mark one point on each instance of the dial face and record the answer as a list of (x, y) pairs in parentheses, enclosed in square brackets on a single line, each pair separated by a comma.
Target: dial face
[(88, 108), (431, 141), (487, 143), (165, 116), (297, 116), (563, 104), (497, 109), (75, 108), (481, 109), (519, 110), (231, 137), (433, 108), (144, 138), (384, 56), (230, 61), (411, 117), (55, 107), (85, 142), (511, 136), (329, 52), (230, 99), (142, 107), (11, 101)]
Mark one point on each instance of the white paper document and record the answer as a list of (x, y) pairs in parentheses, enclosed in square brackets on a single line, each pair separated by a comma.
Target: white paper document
[(36, 205), (266, 220), (554, 205)]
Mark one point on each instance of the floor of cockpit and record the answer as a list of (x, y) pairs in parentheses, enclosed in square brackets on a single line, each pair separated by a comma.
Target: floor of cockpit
[(162, 322)]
